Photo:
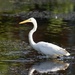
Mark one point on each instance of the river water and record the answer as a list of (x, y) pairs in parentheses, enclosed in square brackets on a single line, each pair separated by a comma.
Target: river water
[(17, 57)]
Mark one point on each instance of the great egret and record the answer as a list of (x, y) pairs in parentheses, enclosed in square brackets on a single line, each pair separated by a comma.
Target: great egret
[(49, 49)]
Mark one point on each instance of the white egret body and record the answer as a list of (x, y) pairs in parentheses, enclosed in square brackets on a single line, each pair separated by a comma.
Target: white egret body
[(46, 48)]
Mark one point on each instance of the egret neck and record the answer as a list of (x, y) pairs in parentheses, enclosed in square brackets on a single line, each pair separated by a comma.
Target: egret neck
[(31, 41)]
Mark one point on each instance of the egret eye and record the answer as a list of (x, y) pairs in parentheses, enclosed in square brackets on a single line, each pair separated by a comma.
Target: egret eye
[(30, 20)]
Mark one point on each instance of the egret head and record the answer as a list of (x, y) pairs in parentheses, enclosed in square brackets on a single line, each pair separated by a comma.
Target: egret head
[(28, 20)]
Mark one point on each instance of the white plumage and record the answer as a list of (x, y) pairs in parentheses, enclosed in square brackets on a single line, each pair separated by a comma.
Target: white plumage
[(48, 49), (51, 49)]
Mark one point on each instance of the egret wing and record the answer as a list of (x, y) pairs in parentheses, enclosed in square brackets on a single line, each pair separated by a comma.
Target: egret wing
[(51, 49)]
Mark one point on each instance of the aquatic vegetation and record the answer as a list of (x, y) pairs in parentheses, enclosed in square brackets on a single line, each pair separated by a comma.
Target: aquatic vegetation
[(56, 26)]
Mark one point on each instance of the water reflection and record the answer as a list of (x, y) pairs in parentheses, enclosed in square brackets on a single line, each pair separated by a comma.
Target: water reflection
[(48, 66)]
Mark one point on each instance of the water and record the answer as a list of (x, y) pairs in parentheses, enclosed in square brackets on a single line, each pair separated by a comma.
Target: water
[(18, 58), (55, 25)]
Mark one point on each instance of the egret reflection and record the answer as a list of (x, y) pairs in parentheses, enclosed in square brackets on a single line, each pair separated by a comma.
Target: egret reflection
[(48, 66)]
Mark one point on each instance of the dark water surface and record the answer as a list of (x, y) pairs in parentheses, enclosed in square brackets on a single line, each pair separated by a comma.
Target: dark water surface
[(56, 24), (18, 58)]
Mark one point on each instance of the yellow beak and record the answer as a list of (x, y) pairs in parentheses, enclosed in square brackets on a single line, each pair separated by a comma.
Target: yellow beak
[(25, 21)]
